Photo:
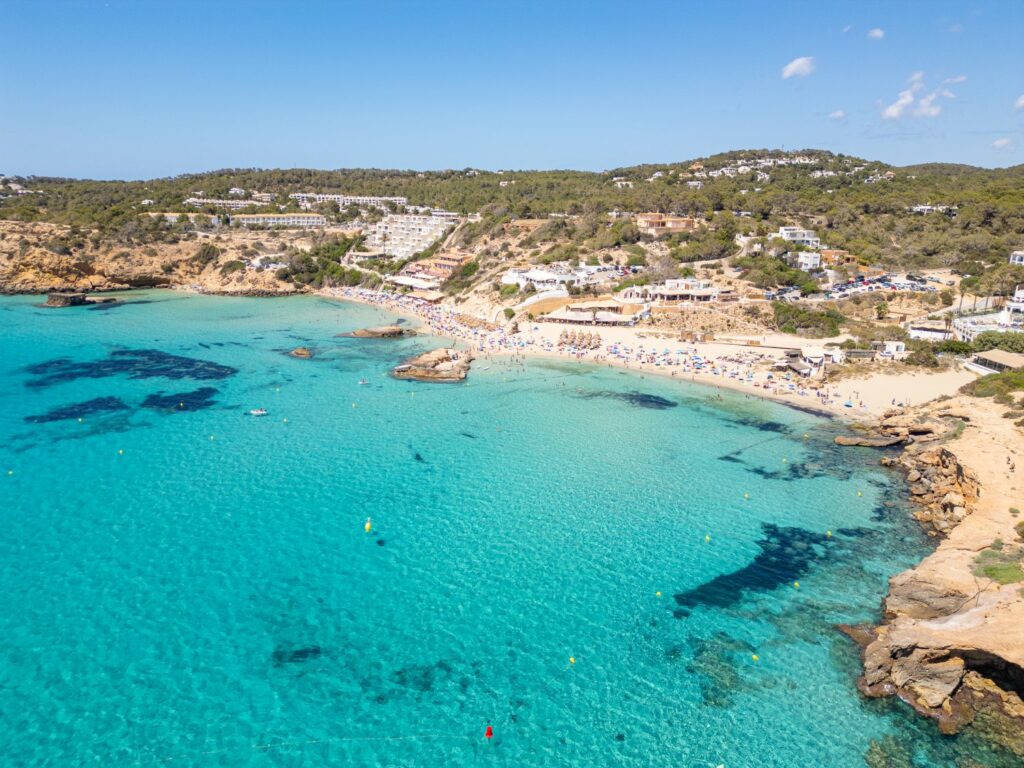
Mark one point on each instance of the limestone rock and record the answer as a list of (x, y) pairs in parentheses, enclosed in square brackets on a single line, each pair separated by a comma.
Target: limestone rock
[(381, 332), (439, 365), (867, 442)]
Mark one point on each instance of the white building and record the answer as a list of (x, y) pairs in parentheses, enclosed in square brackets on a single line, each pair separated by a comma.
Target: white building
[(307, 200), (683, 289), (236, 192), (1012, 315), (291, 220), (797, 236), (402, 235), (808, 261), (1009, 320), (231, 205), (1017, 257), (545, 279)]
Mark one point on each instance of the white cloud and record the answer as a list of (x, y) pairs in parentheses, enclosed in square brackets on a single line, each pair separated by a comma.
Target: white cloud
[(1019, 103), (895, 110), (923, 106), (877, 33), (799, 67), (837, 115), (955, 80), (1003, 143), (926, 106), (847, 28)]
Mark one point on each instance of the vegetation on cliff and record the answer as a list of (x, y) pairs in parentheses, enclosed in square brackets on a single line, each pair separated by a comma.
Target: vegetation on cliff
[(872, 220)]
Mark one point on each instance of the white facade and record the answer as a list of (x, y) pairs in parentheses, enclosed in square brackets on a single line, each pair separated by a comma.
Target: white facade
[(544, 279), (231, 205), (672, 291), (808, 261), (403, 235), (304, 220), (1017, 257), (309, 199), (1012, 315), (805, 237)]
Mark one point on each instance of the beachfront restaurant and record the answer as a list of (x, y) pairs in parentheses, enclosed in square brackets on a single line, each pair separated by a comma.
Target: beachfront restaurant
[(997, 361), (592, 313)]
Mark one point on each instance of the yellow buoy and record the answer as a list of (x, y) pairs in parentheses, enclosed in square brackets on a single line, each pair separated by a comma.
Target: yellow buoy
[(755, 657), (10, 472), (285, 420), (572, 659), (707, 539), (657, 594), (796, 584), (828, 534), (746, 496), (859, 493), (805, 435), (784, 461), (369, 525), (120, 451), (79, 419), (181, 405)]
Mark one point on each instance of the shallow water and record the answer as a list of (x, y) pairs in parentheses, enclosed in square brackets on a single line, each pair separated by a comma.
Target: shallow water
[(184, 584)]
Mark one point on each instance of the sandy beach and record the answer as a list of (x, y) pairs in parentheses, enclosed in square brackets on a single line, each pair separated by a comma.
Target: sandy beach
[(743, 364)]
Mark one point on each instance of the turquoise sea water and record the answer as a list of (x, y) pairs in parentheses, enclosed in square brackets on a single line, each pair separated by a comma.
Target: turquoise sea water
[(190, 585)]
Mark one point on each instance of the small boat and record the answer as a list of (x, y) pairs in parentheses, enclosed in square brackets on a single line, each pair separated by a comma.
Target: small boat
[(363, 381), (258, 412)]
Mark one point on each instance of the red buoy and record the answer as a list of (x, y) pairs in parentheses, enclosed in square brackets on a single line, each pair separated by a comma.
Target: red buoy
[(489, 733)]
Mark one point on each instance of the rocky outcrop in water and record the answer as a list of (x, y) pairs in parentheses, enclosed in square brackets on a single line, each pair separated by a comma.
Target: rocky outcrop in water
[(381, 332), (944, 489), (896, 426), (868, 442), (65, 300), (439, 365), (303, 353)]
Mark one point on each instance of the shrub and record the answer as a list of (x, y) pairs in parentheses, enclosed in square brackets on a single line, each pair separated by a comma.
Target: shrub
[(207, 253), (795, 319), (1002, 567)]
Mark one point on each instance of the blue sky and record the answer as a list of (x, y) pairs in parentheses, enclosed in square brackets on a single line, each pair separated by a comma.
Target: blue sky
[(137, 89)]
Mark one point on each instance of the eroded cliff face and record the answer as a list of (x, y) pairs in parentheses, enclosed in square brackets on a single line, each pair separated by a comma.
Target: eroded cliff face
[(36, 258), (952, 644)]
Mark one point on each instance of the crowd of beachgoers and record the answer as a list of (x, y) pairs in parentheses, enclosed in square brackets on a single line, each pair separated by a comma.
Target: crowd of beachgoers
[(758, 372)]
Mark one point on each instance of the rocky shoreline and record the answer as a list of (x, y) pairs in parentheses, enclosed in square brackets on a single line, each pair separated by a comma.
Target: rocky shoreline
[(438, 365), (380, 332), (951, 644)]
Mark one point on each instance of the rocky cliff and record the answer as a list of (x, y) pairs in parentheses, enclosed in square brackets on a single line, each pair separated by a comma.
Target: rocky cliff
[(952, 643), (39, 258)]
